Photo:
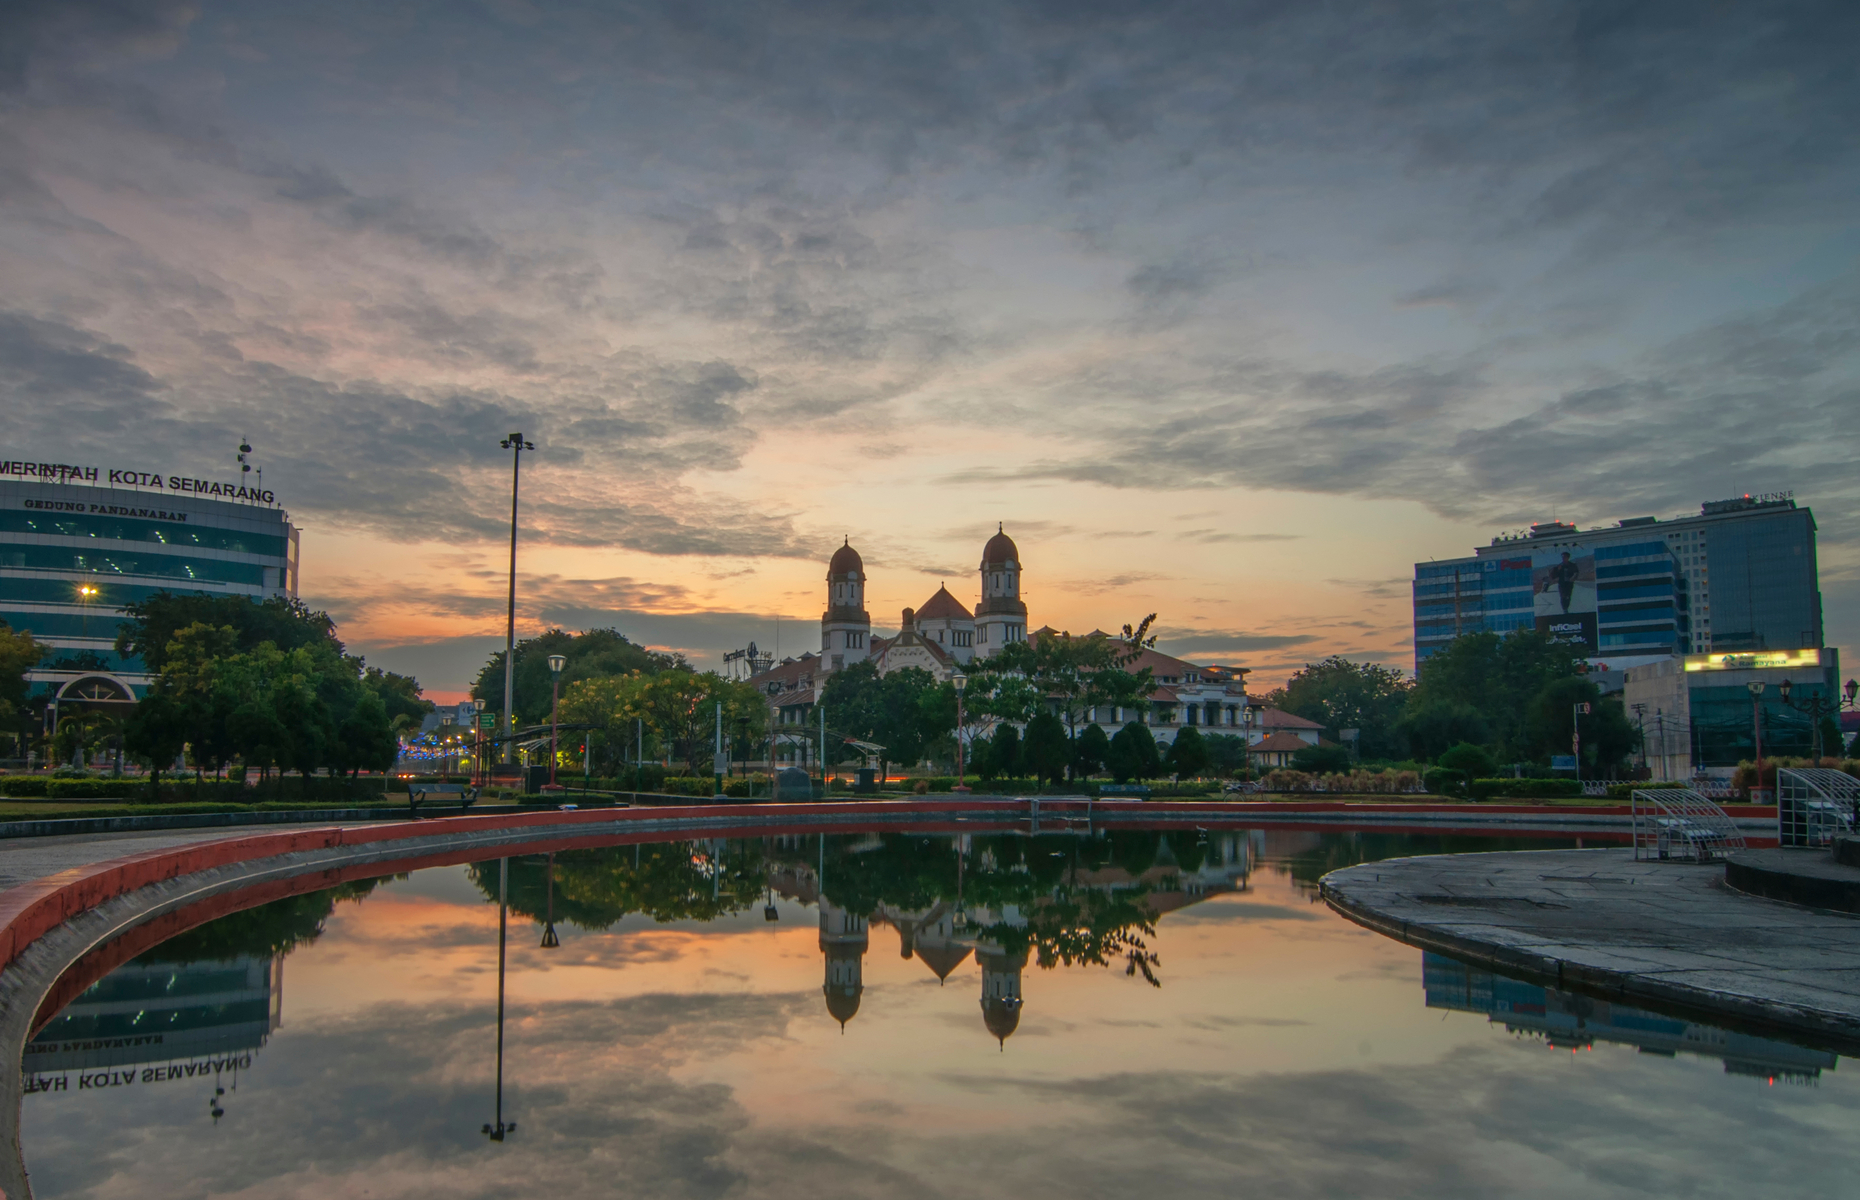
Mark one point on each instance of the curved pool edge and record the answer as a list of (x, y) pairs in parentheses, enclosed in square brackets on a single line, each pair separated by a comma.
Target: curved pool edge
[(1558, 965)]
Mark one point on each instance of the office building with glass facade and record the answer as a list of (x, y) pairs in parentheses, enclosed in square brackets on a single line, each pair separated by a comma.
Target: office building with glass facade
[(73, 553), (1739, 576)]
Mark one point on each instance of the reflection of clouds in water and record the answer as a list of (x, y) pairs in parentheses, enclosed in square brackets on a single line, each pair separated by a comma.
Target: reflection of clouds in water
[(389, 1103), (1222, 910)]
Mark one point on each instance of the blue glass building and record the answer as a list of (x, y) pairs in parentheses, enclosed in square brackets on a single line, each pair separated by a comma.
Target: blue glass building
[(1739, 576)]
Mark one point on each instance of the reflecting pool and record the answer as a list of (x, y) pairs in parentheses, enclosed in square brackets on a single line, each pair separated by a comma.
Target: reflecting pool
[(898, 1014)]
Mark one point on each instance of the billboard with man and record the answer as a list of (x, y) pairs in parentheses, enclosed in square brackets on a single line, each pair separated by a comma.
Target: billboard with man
[(1563, 596)]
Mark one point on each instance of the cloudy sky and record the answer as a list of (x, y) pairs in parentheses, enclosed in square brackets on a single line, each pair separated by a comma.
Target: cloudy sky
[(1230, 312)]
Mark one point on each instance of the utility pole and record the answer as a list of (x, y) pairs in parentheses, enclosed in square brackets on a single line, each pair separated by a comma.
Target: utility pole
[(516, 445), (824, 793)]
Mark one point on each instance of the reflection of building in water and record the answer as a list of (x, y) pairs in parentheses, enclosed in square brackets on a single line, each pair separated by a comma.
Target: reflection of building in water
[(163, 1012), (843, 940), (1000, 988), (1568, 1021), (944, 935)]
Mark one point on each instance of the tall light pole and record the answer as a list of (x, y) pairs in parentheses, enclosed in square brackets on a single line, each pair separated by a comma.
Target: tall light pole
[(556, 663), (961, 682), (516, 445), (1756, 725), (1575, 735)]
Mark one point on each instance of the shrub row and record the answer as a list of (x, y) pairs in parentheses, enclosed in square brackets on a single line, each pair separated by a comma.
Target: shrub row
[(1524, 789), (291, 793)]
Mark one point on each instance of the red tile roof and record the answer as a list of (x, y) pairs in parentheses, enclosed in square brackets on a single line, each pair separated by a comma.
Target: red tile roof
[(1272, 718), (943, 605)]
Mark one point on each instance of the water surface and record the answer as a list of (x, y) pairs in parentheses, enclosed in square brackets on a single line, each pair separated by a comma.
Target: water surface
[(892, 1015)]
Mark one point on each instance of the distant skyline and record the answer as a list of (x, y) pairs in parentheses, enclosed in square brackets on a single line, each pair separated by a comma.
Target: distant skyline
[(1230, 312)]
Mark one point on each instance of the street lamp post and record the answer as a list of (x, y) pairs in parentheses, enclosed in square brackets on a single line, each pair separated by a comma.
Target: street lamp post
[(1756, 725), (1576, 714), (556, 663), (961, 682), (516, 445)]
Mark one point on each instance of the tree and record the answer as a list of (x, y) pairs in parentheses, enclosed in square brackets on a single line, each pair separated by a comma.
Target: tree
[(400, 697), (1340, 694), (285, 622), (1004, 753), (19, 653), (1047, 749), (1226, 752), (592, 654), (1434, 727), (1608, 736), (1133, 754), (156, 730), (1472, 760), (1321, 760), (1188, 754), (1074, 674), (1091, 749), (1495, 678), (365, 740)]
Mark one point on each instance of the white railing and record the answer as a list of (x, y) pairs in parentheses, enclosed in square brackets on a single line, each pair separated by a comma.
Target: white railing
[(1678, 823)]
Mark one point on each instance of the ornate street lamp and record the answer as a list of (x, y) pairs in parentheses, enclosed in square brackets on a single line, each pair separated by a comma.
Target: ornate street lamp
[(961, 682), (556, 663), (1816, 707), (516, 445)]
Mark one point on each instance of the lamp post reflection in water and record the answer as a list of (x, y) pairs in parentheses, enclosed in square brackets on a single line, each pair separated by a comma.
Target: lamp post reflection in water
[(549, 940), (496, 1132)]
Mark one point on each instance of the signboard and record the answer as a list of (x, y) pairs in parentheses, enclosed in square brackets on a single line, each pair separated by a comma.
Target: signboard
[(45, 472), (1563, 596), (1562, 762), (1754, 660), (487, 720), (720, 765)]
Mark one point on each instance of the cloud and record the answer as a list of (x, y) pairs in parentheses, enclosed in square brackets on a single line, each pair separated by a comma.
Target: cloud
[(1197, 642), (1212, 536)]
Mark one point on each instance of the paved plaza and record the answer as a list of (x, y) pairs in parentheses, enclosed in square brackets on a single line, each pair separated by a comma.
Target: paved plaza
[(1657, 933)]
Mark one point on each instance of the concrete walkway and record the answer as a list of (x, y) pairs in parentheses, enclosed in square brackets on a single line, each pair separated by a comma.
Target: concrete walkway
[(27, 859), (1663, 935)]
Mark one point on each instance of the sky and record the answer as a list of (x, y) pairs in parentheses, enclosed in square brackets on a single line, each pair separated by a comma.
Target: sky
[(1227, 312)]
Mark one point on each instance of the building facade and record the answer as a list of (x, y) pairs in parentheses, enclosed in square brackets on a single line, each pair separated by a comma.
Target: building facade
[(1698, 713), (1739, 576), (77, 544)]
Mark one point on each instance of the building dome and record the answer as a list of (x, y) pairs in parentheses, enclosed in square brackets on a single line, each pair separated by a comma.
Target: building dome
[(846, 561), (1000, 548)]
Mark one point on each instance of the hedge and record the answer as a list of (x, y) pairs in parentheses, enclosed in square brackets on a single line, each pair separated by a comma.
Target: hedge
[(1525, 789)]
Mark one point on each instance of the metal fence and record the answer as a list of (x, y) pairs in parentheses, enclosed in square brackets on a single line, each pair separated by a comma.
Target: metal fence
[(1813, 804), (1678, 823)]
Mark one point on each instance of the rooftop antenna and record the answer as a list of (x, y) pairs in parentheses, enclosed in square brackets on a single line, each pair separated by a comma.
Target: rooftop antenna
[(245, 464)]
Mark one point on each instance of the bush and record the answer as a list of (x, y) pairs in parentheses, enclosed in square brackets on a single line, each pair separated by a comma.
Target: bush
[(1542, 789), (1470, 760), (1625, 791), (1444, 781), (1321, 760)]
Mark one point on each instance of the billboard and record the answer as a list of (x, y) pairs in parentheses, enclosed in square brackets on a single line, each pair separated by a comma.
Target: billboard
[(1563, 596)]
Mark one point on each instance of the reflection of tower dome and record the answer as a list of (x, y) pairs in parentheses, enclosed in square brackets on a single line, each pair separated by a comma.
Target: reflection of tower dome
[(1001, 1002), (843, 940)]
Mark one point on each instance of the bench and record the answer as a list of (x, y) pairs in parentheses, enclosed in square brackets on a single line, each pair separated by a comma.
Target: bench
[(420, 793)]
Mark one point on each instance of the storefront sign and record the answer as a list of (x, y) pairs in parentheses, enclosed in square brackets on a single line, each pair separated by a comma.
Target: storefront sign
[(1755, 660)]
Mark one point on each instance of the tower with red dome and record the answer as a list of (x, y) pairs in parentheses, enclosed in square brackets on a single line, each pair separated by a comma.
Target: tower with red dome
[(1001, 617), (846, 627)]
